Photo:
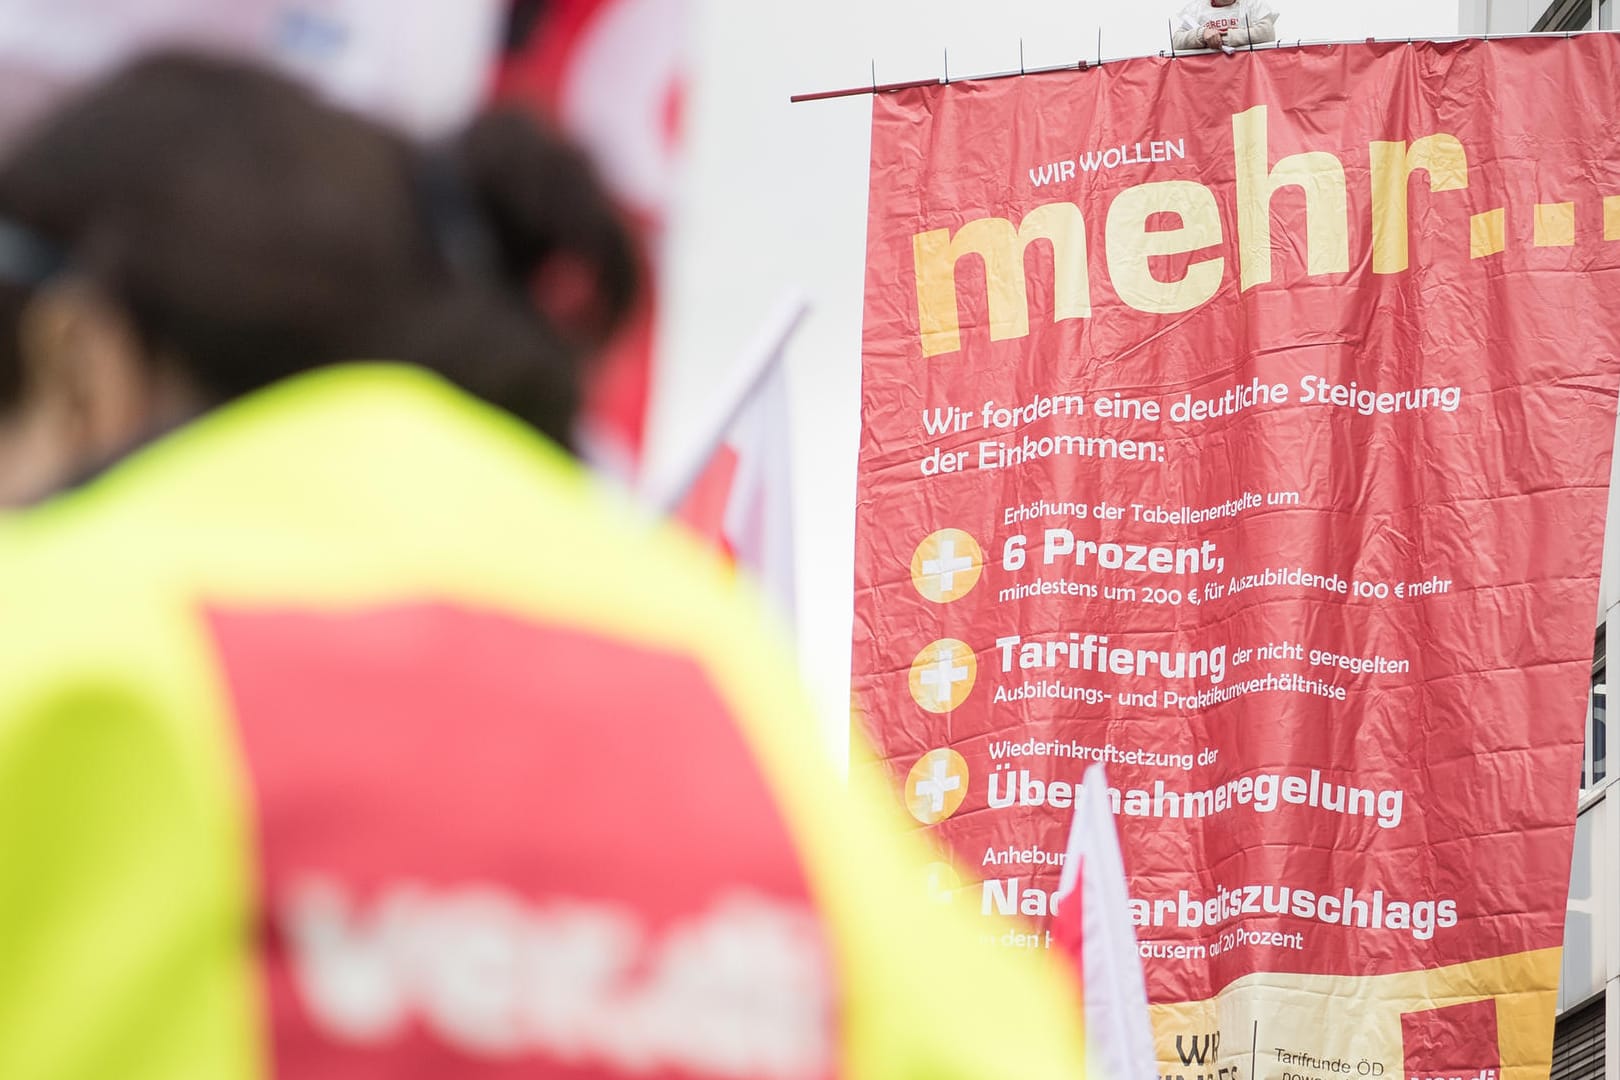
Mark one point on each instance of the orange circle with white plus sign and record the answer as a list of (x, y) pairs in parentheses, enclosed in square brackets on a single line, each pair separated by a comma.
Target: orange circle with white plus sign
[(942, 675), (946, 565), (936, 785)]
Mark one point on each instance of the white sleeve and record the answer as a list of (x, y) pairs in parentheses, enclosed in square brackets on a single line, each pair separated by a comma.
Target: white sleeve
[(1188, 40)]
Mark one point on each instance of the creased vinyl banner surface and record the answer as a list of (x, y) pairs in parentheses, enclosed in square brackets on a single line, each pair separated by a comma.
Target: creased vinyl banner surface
[(1244, 423)]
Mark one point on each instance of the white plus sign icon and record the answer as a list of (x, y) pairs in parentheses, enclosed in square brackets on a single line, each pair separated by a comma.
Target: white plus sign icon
[(946, 565), (945, 568), (936, 786), (942, 675)]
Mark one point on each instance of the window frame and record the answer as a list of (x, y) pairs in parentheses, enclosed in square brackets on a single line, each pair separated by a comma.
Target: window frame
[(1600, 665), (1567, 15)]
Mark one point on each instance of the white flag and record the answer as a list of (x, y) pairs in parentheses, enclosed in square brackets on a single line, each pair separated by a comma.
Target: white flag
[(1095, 929), (421, 65)]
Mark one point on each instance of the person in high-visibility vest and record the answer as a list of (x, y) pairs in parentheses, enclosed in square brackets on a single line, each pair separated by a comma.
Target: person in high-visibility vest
[(345, 728)]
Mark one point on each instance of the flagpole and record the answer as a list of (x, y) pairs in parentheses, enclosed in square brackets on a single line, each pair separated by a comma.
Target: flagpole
[(1082, 65), (664, 490)]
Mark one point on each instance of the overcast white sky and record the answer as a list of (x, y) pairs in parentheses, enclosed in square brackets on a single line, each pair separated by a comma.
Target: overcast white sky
[(774, 200)]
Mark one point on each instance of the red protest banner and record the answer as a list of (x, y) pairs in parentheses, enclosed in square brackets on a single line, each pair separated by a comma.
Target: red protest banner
[(1243, 423)]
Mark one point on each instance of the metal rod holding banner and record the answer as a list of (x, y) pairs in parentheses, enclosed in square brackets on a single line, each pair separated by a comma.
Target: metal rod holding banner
[(665, 491), (876, 88)]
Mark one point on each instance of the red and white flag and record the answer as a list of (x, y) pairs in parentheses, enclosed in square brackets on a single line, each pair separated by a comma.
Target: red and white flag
[(737, 488), (1092, 926), (743, 500), (611, 73)]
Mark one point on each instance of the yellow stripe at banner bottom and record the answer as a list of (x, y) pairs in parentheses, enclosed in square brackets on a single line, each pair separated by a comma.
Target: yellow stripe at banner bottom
[(1355, 1020)]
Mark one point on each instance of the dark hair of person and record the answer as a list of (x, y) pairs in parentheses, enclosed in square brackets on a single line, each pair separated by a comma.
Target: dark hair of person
[(252, 232)]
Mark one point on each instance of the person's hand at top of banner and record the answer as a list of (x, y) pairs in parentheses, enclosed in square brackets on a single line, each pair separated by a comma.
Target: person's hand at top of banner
[(1224, 24)]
